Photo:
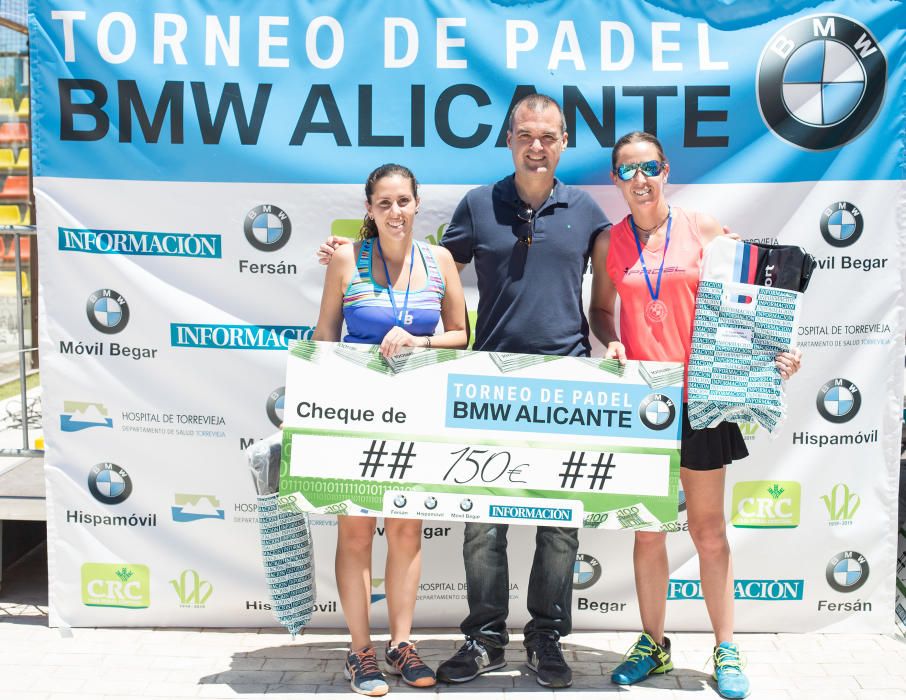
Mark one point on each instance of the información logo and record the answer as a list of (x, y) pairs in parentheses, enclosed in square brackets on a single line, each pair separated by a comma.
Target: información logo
[(841, 224), (107, 311), (821, 81), (657, 411), (839, 400), (267, 227)]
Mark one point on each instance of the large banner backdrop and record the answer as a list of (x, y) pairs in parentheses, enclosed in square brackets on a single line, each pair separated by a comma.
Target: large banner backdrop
[(190, 156)]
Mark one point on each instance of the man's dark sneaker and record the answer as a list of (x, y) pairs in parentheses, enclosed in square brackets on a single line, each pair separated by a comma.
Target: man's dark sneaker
[(545, 658), (363, 674), (402, 660), (472, 659)]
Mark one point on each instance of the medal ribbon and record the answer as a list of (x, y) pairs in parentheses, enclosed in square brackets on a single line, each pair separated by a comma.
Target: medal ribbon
[(656, 291), (399, 316)]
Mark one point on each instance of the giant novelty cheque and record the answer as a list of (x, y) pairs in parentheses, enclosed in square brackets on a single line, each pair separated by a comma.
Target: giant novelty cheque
[(481, 436)]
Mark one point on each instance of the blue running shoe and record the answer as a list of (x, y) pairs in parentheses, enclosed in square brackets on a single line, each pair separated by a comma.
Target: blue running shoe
[(731, 681), (643, 658), (363, 674)]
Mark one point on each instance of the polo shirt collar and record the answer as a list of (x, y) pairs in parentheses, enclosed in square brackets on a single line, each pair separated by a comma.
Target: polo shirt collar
[(560, 194)]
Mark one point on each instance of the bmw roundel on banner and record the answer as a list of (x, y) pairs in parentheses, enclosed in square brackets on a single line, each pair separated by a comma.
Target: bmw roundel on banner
[(191, 179), (821, 81)]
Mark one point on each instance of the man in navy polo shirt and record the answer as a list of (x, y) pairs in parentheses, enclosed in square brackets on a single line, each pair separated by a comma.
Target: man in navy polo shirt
[(530, 237)]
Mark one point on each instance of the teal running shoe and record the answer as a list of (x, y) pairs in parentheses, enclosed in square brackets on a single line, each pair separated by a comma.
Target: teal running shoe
[(643, 658), (731, 681)]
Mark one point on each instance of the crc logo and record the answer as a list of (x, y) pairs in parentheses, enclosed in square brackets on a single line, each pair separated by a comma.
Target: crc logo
[(847, 571), (116, 585), (267, 227), (841, 505), (841, 224), (109, 483), (275, 406), (766, 504), (657, 411), (839, 400), (192, 591), (821, 81), (586, 571), (107, 311)]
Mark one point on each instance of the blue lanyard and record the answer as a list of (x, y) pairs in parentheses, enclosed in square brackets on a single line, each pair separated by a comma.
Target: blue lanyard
[(655, 293), (399, 316)]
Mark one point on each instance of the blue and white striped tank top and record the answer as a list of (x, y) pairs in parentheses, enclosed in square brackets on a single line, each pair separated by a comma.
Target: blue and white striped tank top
[(366, 305)]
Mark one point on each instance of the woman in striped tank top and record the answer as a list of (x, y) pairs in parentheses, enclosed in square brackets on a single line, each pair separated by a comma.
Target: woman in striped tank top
[(652, 260), (392, 291)]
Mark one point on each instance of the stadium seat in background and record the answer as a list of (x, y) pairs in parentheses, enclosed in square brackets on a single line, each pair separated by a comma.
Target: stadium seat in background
[(9, 255), (14, 132), (7, 159), (7, 108), (15, 187), (24, 111), (23, 160), (10, 215)]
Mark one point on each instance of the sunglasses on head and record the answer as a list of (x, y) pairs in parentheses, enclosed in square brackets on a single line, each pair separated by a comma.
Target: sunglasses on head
[(524, 229), (650, 168)]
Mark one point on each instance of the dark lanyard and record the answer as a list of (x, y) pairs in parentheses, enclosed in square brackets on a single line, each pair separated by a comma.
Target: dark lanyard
[(398, 317), (657, 290)]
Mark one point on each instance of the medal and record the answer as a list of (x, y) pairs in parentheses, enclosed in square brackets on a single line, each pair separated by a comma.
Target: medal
[(655, 310)]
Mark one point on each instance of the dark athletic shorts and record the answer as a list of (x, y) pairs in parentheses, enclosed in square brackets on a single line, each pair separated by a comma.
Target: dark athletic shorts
[(710, 448)]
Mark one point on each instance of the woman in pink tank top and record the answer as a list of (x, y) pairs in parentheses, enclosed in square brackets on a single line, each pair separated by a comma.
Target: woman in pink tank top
[(653, 260)]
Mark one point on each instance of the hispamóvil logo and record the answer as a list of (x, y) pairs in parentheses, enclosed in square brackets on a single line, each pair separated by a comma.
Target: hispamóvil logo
[(847, 571), (766, 504), (841, 224), (586, 572), (107, 311), (109, 483), (116, 585), (189, 507), (821, 81), (267, 227), (839, 400), (657, 411), (275, 402), (81, 415), (103, 242)]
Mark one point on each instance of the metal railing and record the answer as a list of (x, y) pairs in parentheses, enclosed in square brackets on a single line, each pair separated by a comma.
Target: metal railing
[(28, 414)]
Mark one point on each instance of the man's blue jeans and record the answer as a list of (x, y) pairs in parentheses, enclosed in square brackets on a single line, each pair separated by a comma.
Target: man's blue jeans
[(487, 576)]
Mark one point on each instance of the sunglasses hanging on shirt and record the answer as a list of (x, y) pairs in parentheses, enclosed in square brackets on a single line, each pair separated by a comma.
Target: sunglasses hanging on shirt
[(524, 228)]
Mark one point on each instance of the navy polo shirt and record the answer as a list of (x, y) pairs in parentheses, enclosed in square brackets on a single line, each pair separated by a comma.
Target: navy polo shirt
[(529, 297)]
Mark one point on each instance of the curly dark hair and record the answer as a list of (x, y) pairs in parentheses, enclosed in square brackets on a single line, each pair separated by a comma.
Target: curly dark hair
[(369, 228)]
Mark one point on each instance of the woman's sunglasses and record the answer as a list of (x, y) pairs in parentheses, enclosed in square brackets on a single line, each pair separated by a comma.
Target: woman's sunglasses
[(650, 168)]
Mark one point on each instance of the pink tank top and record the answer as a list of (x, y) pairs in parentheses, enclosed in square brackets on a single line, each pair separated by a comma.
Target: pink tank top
[(670, 339)]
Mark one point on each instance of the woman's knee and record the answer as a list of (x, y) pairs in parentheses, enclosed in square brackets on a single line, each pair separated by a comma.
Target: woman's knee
[(355, 538), (650, 540), (404, 534), (710, 535)]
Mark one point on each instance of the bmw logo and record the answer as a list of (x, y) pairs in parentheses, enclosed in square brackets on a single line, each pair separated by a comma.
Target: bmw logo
[(586, 572), (399, 501), (841, 224), (107, 311), (847, 572), (109, 483), (275, 406), (267, 227), (465, 505), (430, 503), (839, 400), (821, 81), (657, 411)]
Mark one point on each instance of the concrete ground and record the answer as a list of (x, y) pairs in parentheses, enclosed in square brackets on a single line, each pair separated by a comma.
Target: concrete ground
[(90, 664)]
